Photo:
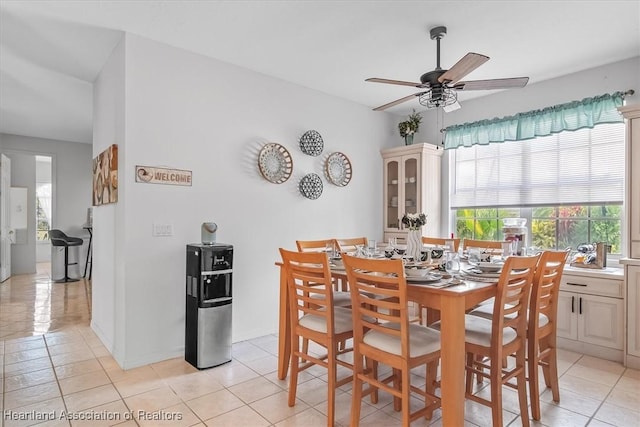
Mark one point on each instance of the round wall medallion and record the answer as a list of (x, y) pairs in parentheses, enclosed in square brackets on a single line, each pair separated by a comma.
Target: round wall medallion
[(338, 169), (311, 143), (311, 186), (275, 163)]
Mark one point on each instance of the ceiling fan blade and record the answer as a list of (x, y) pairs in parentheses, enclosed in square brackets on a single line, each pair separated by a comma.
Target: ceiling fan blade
[(492, 84), (394, 82), (397, 101), (467, 64)]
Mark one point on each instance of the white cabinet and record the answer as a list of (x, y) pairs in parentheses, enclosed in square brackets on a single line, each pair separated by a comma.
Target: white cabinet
[(632, 156), (591, 315), (411, 185), (633, 316)]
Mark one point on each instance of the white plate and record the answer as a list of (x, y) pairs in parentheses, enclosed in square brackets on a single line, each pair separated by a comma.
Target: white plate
[(475, 272), (488, 267), (431, 277)]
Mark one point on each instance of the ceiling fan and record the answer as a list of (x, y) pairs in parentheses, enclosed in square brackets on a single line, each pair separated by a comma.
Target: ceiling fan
[(441, 86)]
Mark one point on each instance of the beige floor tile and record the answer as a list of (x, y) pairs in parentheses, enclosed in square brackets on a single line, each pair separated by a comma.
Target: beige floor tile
[(53, 406), (153, 400), (254, 389), (264, 365), (29, 395), (632, 373), (231, 374), (83, 382), (28, 379), (77, 356), (243, 416), (193, 385), (625, 398), (342, 412), (214, 404), (67, 347), (556, 416), (114, 413), (573, 402), (307, 418), (313, 392), (275, 408), (173, 367), (617, 415), (93, 397), (140, 373), (584, 387), (77, 368), (21, 356), (108, 363), (177, 415), (132, 386), (27, 366)]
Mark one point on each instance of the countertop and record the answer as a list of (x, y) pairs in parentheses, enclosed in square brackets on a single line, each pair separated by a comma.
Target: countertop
[(630, 261)]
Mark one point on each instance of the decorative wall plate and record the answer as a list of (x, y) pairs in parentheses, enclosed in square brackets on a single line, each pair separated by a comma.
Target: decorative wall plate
[(311, 186), (275, 163), (311, 143), (338, 169)]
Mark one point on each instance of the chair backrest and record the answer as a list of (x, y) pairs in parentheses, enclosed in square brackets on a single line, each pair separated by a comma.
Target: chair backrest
[(378, 298), (440, 242), (57, 237), (546, 286), (489, 244), (350, 244), (512, 300), (314, 245), (310, 288)]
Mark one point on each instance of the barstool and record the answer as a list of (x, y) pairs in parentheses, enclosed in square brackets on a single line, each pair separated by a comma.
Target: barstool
[(58, 238)]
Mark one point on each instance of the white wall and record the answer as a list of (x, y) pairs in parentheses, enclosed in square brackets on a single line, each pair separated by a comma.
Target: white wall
[(619, 76), (72, 188), (186, 111)]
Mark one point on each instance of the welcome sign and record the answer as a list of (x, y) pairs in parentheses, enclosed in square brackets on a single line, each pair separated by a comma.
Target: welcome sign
[(155, 175)]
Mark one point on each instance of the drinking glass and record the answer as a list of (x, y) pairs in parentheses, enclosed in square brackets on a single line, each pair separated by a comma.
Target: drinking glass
[(474, 255), (371, 248), (331, 250), (507, 249), (452, 263)]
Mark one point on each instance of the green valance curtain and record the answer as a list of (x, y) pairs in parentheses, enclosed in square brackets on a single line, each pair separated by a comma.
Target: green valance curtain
[(570, 116)]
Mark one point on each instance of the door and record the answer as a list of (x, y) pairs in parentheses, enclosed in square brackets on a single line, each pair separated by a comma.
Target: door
[(601, 321), (567, 322), (5, 230)]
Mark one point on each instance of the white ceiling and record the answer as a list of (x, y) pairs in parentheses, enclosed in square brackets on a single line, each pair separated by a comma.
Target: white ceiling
[(51, 51)]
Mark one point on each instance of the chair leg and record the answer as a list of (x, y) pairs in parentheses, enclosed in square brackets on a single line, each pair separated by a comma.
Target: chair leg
[(552, 360), (469, 374), (522, 387), (532, 368), (356, 392), (405, 384), (397, 384), (332, 379), (295, 363), (496, 394)]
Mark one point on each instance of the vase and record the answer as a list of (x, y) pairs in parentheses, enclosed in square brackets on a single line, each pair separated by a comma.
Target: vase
[(408, 139), (414, 244)]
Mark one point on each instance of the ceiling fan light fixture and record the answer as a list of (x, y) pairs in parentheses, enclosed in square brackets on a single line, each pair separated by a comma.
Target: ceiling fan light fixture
[(438, 97)]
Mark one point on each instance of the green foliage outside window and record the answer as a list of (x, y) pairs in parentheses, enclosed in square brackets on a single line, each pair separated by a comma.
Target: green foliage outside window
[(549, 227)]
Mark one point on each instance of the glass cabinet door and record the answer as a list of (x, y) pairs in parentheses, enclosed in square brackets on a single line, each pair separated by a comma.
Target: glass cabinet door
[(410, 184), (393, 194)]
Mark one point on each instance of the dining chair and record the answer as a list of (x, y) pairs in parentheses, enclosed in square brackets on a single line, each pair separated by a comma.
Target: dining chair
[(489, 341), (488, 244), (315, 319), (438, 241), (341, 296), (349, 244), (382, 333), (542, 327)]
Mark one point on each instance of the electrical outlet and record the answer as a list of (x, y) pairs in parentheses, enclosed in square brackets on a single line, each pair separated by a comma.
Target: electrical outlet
[(162, 230)]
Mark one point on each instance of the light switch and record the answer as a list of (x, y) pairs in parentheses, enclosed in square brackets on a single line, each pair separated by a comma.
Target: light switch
[(162, 230)]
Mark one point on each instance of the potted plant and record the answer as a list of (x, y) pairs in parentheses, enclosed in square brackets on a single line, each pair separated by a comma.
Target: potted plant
[(409, 127)]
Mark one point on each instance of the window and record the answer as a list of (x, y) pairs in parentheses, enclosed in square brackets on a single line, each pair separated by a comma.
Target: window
[(568, 185), (43, 198)]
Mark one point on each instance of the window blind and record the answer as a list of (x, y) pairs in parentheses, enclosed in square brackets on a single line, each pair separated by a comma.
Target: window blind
[(585, 166)]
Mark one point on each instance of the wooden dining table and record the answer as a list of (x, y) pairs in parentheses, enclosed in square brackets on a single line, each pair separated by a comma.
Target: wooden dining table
[(452, 302)]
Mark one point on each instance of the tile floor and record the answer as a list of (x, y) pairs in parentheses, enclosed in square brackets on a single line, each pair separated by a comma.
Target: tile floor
[(56, 372)]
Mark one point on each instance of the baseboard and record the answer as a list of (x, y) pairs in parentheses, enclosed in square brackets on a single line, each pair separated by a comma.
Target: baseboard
[(591, 350)]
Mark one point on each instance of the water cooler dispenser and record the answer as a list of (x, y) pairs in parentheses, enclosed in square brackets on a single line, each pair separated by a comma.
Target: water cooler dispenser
[(208, 304)]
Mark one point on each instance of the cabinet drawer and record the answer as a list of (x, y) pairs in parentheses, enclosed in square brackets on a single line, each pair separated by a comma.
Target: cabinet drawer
[(592, 285)]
